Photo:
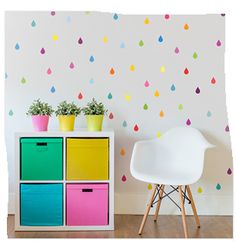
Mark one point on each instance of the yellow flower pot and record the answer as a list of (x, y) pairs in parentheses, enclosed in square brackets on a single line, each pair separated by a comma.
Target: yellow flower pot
[(94, 122), (66, 122)]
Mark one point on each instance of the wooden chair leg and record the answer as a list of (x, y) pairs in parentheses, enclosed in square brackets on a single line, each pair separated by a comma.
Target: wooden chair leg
[(193, 206), (147, 211), (183, 213), (159, 202)]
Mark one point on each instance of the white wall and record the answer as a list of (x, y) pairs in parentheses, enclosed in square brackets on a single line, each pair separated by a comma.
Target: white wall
[(201, 37)]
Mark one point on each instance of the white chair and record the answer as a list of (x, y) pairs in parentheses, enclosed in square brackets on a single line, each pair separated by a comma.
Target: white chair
[(175, 159)]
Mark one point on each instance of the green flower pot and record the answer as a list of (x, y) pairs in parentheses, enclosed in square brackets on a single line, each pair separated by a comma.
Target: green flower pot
[(94, 122)]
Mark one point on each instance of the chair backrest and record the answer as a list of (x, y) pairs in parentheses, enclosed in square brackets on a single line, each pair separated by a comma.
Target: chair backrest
[(186, 146)]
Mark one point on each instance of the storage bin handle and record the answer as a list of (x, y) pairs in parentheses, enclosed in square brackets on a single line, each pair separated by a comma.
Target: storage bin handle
[(87, 190), (41, 144)]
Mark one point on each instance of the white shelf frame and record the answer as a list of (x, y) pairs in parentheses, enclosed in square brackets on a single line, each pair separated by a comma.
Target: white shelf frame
[(82, 133)]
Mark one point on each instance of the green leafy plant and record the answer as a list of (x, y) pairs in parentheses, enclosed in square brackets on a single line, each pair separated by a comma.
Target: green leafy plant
[(40, 108), (65, 108), (94, 108)]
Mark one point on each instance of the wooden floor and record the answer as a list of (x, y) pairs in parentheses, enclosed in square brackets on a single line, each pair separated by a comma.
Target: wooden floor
[(126, 226)]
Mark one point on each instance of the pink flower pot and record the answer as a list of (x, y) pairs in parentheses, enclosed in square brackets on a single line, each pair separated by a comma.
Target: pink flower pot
[(40, 122)]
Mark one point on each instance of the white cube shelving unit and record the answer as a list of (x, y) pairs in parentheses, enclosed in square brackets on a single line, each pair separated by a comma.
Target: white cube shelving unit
[(75, 134)]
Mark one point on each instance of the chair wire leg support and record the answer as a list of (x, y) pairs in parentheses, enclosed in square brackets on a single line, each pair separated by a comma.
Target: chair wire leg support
[(159, 194)]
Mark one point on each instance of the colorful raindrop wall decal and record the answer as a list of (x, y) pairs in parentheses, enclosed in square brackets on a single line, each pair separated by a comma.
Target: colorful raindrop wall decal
[(146, 21), (209, 113), (173, 87), (176, 50), (123, 178), (136, 128), (42, 51), (145, 106), (23, 80), (53, 13), (161, 114), (167, 17), (49, 71), (115, 16), (156, 94), (68, 19), (10, 113), (127, 98), (53, 89), (227, 128), (132, 68), (33, 23), (91, 81), (229, 171), (180, 107), (122, 45), (162, 69), (111, 116), (195, 55), (6, 76), (158, 134), (109, 96), (218, 43), (160, 39), (122, 152), (197, 90), (105, 39), (199, 190), (80, 41), (186, 27), (149, 187), (141, 43), (80, 96), (17, 46), (146, 84), (71, 65), (112, 71), (186, 71), (218, 186), (54, 37), (213, 80), (124, 124), (188, 122), (91, 59)]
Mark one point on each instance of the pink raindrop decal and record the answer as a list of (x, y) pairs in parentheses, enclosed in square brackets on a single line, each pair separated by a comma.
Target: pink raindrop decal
[(146, 84), (49, 71), (111, 116), (188, 122), (176, 50), (227, 128), (136, 128), (80, 96), (123, 178), (218, 43), (42, 51), (72, 65)]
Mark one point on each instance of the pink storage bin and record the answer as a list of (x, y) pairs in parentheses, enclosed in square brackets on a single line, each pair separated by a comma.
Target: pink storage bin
[(86, 204)]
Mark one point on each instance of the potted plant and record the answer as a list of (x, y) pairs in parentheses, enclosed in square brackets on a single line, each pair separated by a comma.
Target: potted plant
[(94, 113), (66, 113), (40, 113)]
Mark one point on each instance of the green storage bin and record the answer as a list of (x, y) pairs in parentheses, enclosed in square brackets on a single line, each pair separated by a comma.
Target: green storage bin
[(41, 158)]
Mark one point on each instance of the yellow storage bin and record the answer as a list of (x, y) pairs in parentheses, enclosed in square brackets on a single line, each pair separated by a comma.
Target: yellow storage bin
[(87, 159)]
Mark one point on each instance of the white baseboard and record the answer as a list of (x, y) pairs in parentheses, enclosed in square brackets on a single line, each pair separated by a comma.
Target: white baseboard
[(135, 203)]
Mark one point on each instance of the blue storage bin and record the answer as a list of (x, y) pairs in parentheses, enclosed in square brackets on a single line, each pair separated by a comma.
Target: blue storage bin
[(41, 204)]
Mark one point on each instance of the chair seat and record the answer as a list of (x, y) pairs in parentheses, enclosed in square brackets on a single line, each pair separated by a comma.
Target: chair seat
[(165, 178)]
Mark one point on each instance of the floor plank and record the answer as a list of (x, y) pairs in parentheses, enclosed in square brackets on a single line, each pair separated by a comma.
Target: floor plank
[(126, 226)]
